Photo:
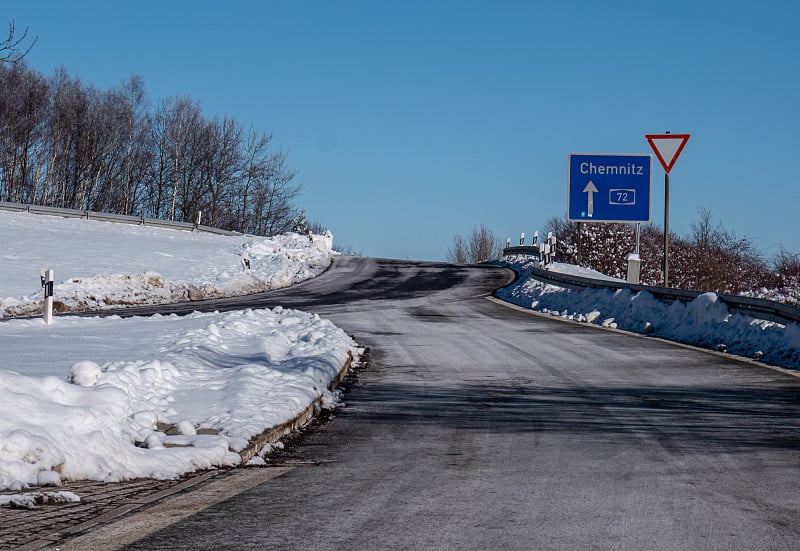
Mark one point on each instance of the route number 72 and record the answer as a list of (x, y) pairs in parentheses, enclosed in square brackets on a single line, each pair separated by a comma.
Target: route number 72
[(622, 197)]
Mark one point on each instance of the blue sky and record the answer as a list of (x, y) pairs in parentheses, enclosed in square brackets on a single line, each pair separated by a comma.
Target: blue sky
[(409, 122)]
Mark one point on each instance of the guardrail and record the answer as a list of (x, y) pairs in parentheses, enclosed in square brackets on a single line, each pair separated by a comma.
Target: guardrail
[(108, 217), (760, 308)]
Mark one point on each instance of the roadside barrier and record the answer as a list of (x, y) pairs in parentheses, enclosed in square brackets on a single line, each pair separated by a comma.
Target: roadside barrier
[(115, 218), (760, 308)]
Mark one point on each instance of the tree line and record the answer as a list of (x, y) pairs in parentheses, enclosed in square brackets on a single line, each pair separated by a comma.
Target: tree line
[(66, 143), (708, 258)]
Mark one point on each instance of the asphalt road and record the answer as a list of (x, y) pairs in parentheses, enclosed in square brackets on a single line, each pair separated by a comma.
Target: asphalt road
[(478, 426)]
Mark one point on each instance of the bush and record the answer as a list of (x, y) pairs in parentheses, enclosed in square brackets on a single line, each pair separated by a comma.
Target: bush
[(710, 259)]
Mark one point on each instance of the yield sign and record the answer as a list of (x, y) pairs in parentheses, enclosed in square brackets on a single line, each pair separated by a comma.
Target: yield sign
[(667, 147)]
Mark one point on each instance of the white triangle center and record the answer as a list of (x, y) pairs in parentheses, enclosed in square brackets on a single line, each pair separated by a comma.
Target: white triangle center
[(667, 148)]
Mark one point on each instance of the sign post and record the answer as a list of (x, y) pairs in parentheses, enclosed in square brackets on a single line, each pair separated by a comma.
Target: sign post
[(667, 148)]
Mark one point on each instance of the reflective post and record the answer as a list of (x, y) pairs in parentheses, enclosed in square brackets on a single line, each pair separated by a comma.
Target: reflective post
[(47, 277)]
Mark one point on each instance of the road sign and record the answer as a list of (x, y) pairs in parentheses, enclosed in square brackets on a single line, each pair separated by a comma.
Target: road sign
[(667, 147), (609, 187)]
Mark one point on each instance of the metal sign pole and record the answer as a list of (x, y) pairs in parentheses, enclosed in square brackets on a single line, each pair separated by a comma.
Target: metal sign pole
[(666, 229)]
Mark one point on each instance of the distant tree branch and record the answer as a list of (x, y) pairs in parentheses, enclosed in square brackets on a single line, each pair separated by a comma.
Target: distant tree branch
[(11, 50)]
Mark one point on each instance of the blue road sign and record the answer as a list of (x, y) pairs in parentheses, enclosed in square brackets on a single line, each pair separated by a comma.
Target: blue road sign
[(609, 187)]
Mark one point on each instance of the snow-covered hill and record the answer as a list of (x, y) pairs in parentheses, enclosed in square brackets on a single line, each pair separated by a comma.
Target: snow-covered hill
[(104, 265)]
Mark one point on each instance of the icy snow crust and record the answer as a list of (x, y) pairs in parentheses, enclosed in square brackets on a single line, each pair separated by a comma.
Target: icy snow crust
[(704, 322), (111, 398)]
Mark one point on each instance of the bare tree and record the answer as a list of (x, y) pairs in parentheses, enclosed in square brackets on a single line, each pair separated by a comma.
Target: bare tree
[(787, 264), (459, 252), (65, 143), (136, 135), (482, 246), (69, 140), (24, 97), (720, 260), (273, 210), (221, 168), (253, 172), (704, 232), (183, 132), (11, 49)]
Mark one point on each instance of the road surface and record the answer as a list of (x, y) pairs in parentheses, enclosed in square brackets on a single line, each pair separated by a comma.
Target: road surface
[(478, 426)]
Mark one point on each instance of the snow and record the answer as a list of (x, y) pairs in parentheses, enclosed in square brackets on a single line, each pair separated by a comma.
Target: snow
[(571, 269), (30, 500), (102, 265), (115, 398), (704, 322)]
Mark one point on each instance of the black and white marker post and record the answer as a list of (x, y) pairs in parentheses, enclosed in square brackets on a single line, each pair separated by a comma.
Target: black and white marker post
[(47, 277), (667, 148)]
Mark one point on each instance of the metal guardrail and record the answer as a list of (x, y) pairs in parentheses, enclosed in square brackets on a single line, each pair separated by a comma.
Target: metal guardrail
[(769, 310), (108, 217)]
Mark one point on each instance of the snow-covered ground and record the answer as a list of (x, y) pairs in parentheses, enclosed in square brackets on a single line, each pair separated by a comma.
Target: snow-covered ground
[(104, 265), (116, 398), (704, 322)]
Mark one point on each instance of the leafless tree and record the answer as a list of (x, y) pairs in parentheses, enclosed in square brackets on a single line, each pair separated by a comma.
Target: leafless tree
[(266, 188), (24, 98), (253, 174), (787, 264), (481, 246), (720, 260), (272, 205), (65, 143), (136, 143), (459, 252), (183, 129), (68, 140), (12, 49), (221, 167)]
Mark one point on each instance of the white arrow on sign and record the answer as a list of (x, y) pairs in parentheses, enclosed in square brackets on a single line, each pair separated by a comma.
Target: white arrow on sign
[(591, 189)]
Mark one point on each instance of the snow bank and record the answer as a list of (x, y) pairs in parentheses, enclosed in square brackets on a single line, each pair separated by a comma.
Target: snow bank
[(704, 322), (101, 265), (164, 396)]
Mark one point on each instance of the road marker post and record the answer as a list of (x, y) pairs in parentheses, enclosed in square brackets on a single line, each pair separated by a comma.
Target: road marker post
[(47, 276)]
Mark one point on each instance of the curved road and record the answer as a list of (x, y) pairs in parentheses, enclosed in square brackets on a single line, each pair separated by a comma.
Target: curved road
[(479, 426)]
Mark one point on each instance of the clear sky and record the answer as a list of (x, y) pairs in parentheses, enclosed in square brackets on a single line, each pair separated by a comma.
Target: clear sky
[(412, 121)]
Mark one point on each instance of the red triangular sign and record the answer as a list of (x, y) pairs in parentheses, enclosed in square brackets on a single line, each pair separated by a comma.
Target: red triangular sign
[(667, 147)]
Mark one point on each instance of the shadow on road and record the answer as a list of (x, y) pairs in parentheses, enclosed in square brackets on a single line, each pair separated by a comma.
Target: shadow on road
[(680, 417)]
